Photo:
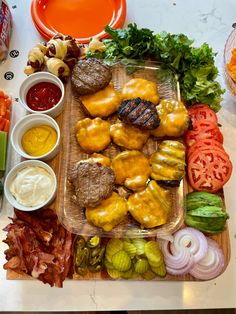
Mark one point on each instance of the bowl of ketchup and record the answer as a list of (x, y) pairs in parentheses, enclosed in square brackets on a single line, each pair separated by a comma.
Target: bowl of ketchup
[(42, 92)]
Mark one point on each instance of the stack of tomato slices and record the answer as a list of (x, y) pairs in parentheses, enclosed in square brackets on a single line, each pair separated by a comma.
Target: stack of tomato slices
[(209, 166)]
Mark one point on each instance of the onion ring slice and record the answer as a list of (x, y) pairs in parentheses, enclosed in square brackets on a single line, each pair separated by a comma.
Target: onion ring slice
[(211, 265), (191, 239)]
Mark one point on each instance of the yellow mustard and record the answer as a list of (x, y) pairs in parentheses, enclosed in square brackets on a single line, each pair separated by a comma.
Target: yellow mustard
[(39, 140)]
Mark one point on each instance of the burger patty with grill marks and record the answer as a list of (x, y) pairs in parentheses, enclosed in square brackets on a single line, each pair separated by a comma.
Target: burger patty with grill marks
[(140, 113)]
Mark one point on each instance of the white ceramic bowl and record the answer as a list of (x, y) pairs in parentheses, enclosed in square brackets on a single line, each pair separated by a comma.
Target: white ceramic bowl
[(12, 174), (27, 123), (36, 78)]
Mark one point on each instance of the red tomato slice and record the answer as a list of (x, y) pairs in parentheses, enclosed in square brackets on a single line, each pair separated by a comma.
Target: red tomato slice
[(199, 106), (203, 130), (202, 112), (202, 144), (209, 170), (212, 149)]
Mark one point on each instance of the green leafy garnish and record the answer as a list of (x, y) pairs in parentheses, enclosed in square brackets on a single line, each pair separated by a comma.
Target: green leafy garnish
[(195, 67)]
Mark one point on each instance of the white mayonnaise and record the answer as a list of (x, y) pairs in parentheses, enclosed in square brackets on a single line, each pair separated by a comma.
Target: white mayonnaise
[(32, 186)]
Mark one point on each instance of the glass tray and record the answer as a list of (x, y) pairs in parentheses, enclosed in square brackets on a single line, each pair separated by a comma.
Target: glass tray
[(72, 218)]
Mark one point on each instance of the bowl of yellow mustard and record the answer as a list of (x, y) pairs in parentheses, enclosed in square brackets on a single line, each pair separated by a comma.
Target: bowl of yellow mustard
[(36, 136)]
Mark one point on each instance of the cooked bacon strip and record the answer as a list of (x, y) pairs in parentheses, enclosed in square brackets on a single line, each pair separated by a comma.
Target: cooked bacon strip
[(25, 243), (63, 256), (42, 261), (13, 263), (31, 250), (36, 224), (11, 251), (14, 245), (47, 214)]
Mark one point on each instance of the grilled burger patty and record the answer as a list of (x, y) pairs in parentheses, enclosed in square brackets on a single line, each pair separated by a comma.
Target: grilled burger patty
[(139, 113), (89, 76), (92, 182)]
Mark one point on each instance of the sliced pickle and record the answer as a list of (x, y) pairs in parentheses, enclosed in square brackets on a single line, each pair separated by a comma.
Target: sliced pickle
[(113, 246), (121, 261), (160, 271), (153, 253), (113, 273), (130, 249), (141, 266), (128, 274), (139, 244), (108, 264), (149, 275)]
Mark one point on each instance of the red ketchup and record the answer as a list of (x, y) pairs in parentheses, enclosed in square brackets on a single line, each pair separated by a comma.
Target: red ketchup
[(43, 96)]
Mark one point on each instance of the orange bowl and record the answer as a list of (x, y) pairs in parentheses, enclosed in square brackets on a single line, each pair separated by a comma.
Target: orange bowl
[(81, 19)]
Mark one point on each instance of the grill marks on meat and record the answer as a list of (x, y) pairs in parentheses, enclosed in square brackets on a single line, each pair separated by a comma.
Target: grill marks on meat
[(140, 113), (92, 182), (32, 252), (89, 76)]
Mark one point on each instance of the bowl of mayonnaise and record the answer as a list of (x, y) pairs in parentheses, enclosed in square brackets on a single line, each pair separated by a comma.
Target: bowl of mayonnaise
[(30, 185)]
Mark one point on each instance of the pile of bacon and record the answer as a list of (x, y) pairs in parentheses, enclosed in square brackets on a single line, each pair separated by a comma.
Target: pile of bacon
[(39, 246)]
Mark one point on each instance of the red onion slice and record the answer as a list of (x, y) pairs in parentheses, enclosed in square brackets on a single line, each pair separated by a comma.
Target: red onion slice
[(178, 264), (182, 271), (191, 239), (211, 265)]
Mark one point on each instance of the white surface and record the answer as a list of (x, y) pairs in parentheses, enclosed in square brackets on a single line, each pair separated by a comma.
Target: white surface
[(202, 20)]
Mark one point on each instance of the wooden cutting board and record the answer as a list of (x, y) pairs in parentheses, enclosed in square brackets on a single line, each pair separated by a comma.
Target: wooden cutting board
[(70, 153)]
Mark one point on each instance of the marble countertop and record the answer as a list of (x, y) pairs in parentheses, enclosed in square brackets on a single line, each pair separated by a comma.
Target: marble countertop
[(204, 21)]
